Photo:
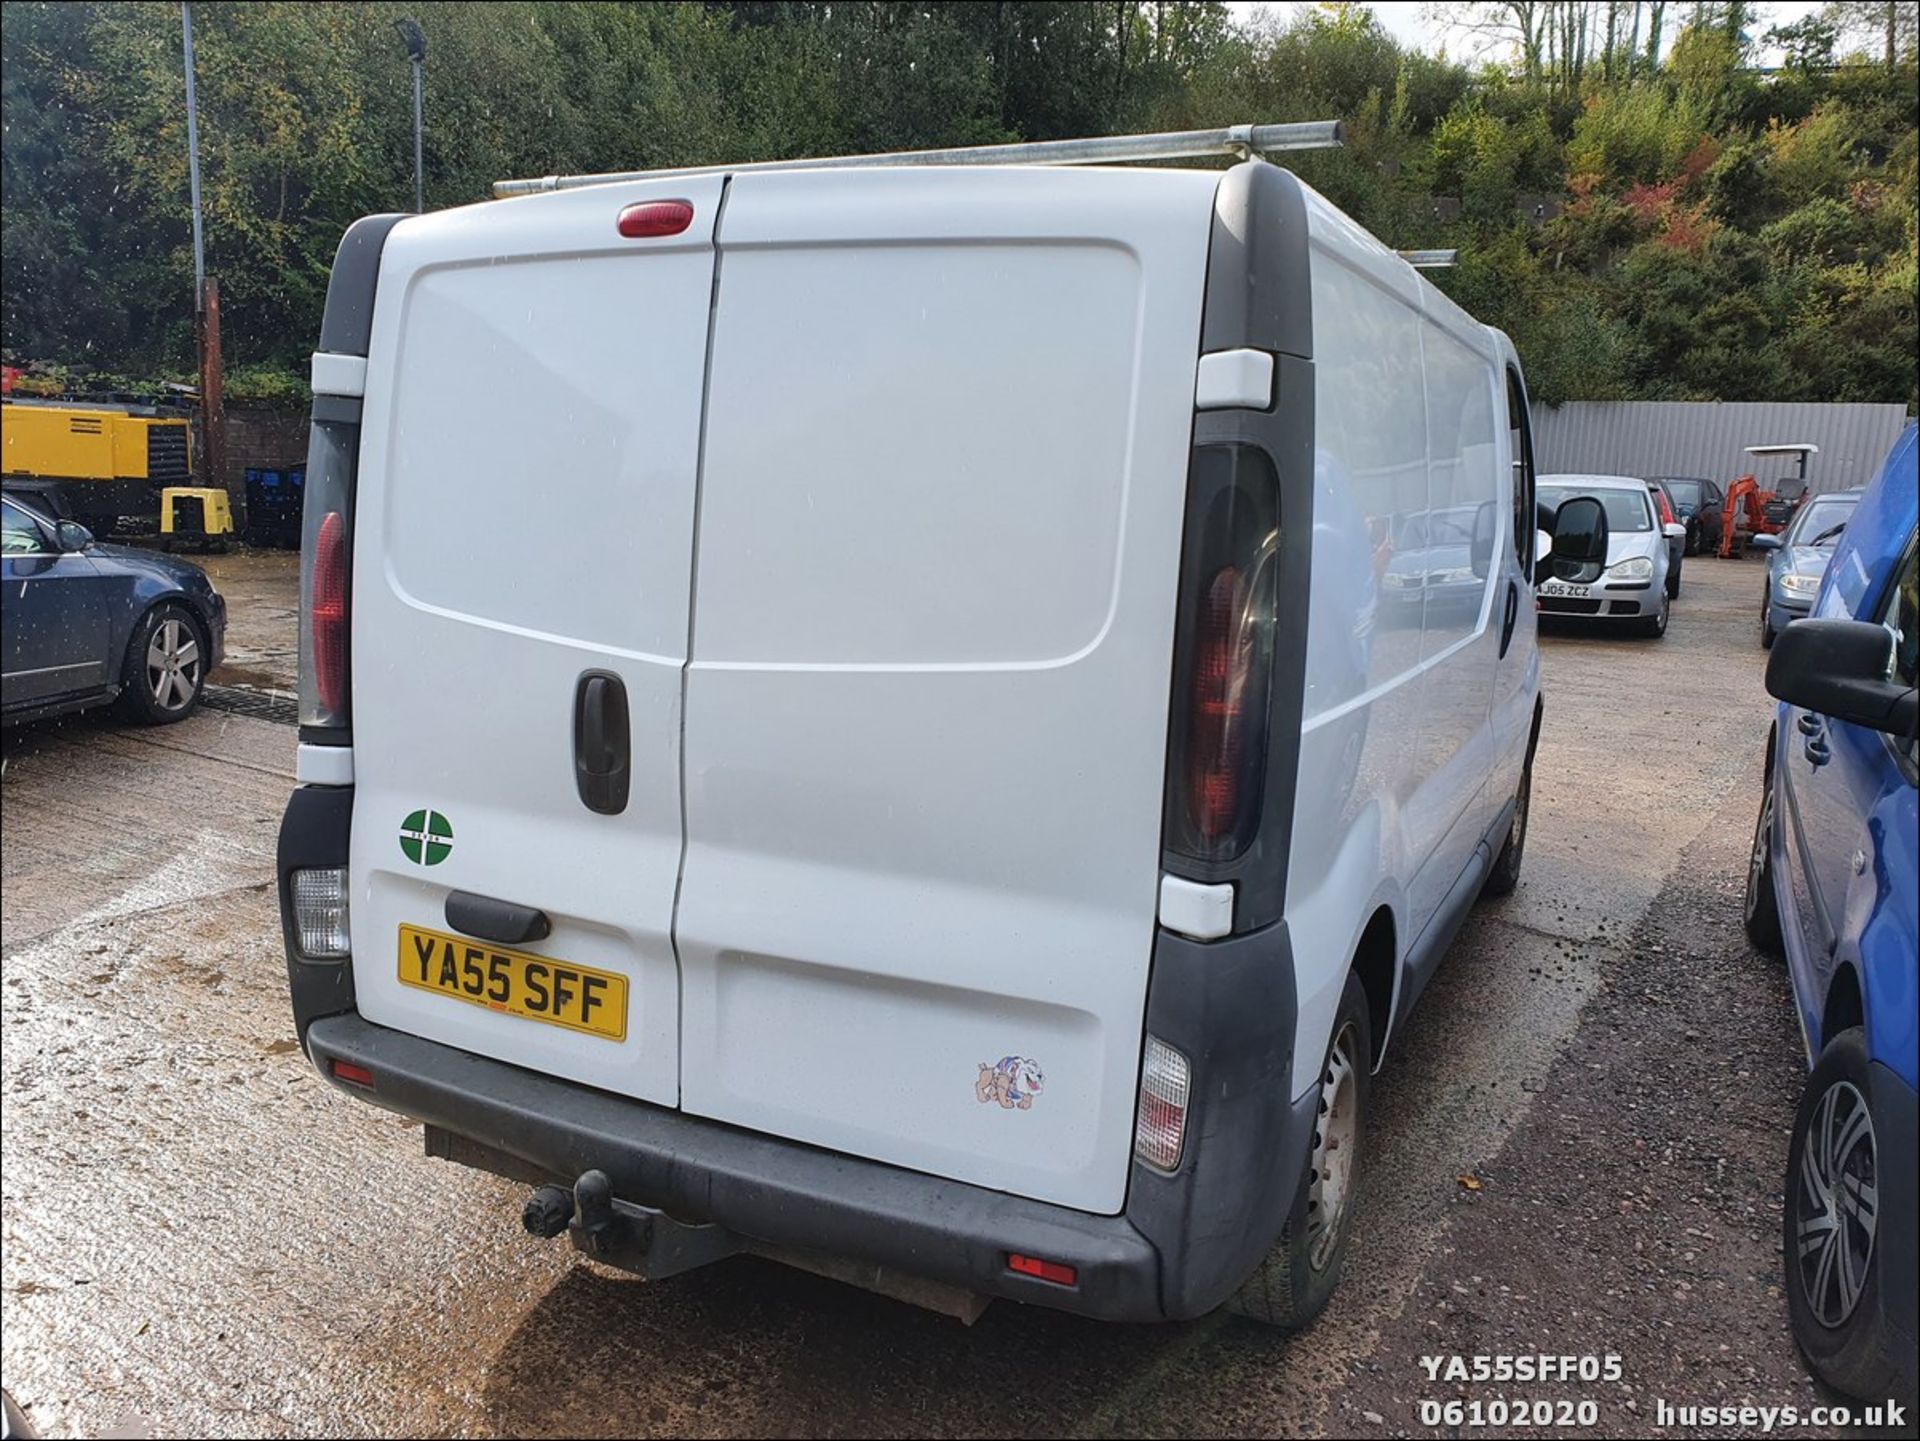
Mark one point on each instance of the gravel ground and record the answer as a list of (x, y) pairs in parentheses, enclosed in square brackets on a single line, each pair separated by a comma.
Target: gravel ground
[(202, 1238)]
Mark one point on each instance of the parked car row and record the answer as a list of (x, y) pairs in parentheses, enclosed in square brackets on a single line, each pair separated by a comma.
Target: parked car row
[(1699, 504)]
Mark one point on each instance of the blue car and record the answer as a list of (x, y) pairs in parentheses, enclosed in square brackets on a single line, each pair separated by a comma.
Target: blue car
[(1799, 558), (87, 623), (1831, 886)]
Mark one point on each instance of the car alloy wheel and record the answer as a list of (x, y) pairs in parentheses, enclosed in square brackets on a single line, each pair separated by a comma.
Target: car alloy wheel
[(174, 665), (1336, 1138), (1836, 1205)]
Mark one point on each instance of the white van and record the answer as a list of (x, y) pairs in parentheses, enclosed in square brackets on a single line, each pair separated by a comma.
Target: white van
[(885, 716)]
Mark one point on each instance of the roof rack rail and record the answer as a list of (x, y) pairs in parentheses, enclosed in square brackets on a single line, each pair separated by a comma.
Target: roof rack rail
[(1431, 259), (1242, 140)]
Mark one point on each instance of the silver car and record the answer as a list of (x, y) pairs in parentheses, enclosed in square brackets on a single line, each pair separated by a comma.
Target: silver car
[(1632, 586)]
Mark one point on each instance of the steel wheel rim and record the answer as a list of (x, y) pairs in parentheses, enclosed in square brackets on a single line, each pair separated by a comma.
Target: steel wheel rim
[(173, 665), (1837, 1205), (1335, 1141), (1762, 843)]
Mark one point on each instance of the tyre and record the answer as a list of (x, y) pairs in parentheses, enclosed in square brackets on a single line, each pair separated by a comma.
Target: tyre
[(1505, 874), (1292, 1285), (1837, 1279), (1761, 910), (1655, 625), (1673, 581), (1767, 632), (165, 669)]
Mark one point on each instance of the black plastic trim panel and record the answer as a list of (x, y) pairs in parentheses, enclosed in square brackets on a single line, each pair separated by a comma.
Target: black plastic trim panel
[(346, 325), (314, 832), (1259, 296)]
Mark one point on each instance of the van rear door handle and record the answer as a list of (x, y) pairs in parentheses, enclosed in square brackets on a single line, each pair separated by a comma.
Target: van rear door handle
[(602, 742), (1513, 614), (486, 919)]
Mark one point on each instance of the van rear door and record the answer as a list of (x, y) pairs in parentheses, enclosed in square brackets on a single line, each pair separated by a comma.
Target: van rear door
[(948, 428), (522, 549)]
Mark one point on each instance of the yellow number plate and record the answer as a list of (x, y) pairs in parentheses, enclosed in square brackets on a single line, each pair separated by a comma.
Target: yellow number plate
[(515, 983)]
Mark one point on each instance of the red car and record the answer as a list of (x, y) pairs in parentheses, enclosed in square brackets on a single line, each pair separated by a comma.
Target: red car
[(1676, 545)]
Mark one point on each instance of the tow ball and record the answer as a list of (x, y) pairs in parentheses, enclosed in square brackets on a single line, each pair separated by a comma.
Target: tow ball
[(620, 1233)]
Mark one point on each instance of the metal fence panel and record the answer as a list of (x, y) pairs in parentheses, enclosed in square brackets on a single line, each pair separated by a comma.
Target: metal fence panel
[(1708, 438)]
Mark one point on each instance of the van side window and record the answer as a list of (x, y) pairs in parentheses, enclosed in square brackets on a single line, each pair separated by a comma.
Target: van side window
[(1522, 438)]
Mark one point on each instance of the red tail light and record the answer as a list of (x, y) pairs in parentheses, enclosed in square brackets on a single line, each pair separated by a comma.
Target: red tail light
[(1216, 742), (329, 612), (1217, 767)]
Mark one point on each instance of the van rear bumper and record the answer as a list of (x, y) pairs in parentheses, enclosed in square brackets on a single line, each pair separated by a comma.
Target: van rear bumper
[(776, 1192)]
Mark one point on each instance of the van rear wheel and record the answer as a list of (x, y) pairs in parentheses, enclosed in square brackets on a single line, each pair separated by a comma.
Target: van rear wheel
[(1505, 874), (1293, 1284)]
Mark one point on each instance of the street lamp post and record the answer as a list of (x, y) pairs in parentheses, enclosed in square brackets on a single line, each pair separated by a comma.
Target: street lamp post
[(206, 290), (416, 42)]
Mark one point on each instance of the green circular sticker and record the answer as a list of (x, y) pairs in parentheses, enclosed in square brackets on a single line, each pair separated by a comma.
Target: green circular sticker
[(426, 838)]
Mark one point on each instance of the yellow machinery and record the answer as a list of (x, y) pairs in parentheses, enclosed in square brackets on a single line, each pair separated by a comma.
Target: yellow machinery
[(95, 462), (199, 514)]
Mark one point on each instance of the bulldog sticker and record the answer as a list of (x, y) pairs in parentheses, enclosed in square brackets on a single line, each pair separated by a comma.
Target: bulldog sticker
[(1015, 1081)]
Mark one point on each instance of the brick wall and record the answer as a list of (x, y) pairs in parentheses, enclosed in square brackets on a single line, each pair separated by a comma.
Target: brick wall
[(271, 438)]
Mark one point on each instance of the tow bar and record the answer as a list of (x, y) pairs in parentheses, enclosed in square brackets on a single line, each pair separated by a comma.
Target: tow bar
[(640, 1239)]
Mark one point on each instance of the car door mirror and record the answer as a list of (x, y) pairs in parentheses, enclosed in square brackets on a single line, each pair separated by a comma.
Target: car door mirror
[(1763, 542), (1579, 532), (72, 536), (1673, 530), (1843, 669), (1486, 529)]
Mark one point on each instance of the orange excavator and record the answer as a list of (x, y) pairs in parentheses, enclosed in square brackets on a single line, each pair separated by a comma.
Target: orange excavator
[(1764, 512)]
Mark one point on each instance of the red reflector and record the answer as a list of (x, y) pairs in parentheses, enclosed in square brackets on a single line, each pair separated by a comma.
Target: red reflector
[(1046, 1270), (347, 1071), (655, 217), (330, 613)]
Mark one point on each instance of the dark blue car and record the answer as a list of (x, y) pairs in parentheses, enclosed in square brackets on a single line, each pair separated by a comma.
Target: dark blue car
[(87, 623), (1831, 886)]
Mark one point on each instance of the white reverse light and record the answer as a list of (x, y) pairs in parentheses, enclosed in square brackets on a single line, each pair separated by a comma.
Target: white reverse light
[(320, 914), (1160, 1128)]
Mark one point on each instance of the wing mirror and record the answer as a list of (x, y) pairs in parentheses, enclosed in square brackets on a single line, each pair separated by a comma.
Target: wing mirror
[(1843, 669), (71, 536), (1673, 530), (1486, 526), (1578, 535), (1763, 542)]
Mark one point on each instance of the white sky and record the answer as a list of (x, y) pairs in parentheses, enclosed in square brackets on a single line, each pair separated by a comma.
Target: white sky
[(1407, 21)]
